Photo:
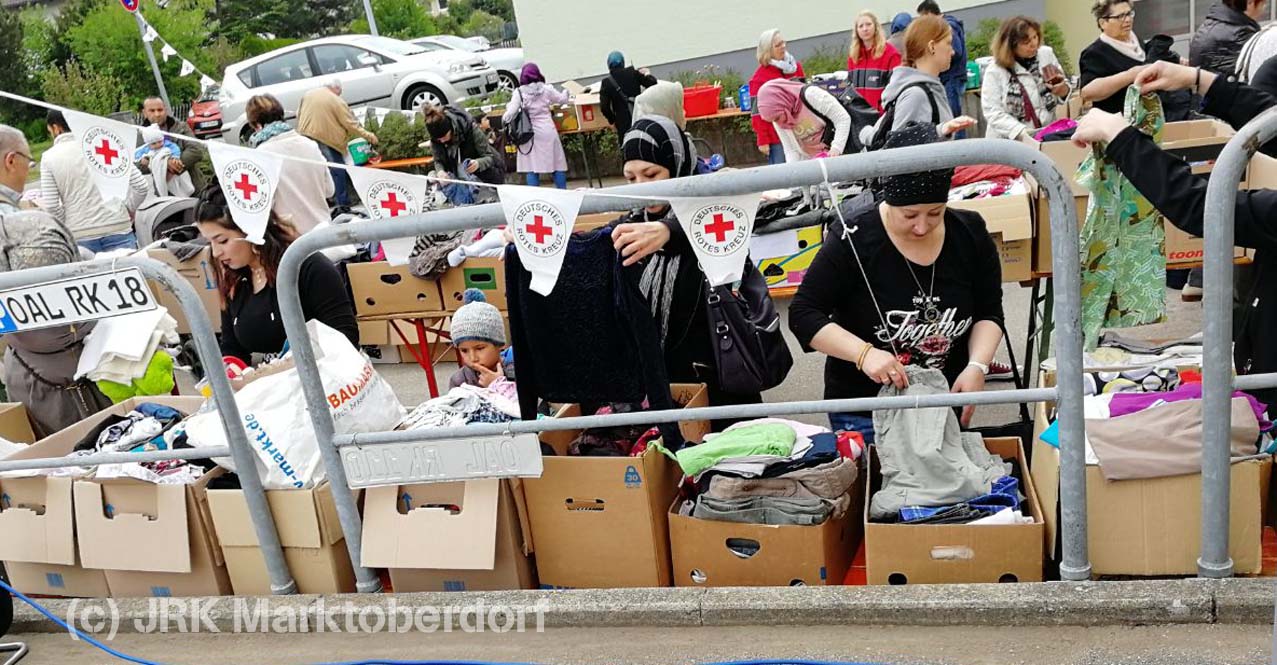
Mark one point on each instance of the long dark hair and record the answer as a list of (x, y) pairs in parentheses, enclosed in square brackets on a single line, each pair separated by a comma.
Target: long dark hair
[(212, 209)]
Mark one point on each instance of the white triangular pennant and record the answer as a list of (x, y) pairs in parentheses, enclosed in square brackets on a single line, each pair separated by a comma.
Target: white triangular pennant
[(541, 222), (168, 52), (108, 146), (719, 230), (388, 195), (150, 35), (249, 179), (187, 68), (206, 82)]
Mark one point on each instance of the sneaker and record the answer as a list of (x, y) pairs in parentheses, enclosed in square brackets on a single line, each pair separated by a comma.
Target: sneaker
[(999, 371), (1191, 293)]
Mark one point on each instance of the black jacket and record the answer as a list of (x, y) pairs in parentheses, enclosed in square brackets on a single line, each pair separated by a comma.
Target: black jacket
[(1177, 105), (469, 141), (617, 93), (1168, 183), (1219, 40)]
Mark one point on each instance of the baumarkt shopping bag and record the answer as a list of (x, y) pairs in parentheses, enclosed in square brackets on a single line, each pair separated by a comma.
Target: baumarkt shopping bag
[(279, 429)]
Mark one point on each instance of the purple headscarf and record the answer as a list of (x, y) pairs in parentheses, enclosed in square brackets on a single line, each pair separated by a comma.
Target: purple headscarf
[(531, 74)]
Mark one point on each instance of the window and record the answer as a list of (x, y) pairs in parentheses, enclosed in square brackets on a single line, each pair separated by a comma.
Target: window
[(293, 66), (246, 77), (430, 47), (338, 58)]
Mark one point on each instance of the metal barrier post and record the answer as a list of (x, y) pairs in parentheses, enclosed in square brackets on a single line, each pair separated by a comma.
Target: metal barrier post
[(1217, 341), (1067, 270), (206, 345)]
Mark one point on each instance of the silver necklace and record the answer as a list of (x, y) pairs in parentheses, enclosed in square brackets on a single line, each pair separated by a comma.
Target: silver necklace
[(930, 312)]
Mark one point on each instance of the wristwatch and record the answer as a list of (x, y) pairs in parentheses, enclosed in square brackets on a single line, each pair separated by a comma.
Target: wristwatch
[(984, 369)]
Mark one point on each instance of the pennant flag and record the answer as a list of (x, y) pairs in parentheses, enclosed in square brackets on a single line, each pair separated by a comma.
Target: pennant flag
[(187, 68), (108, 146), (168, 52), (719, 230), (150, 35), (249, 179), (541, 221), (388, 195), (206, 82)]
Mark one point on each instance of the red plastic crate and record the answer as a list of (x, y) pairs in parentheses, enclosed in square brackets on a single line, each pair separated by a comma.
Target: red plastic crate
[(701, 101)]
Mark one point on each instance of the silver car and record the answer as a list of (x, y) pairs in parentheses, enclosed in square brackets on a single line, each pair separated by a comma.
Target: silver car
[(374, 71), (507, 61)]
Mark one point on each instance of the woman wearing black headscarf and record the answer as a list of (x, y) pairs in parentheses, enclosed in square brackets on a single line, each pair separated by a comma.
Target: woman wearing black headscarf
[(921, 285), (655, 149)]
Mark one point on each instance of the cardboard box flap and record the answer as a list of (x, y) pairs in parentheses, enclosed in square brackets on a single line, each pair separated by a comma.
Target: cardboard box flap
[(303, 518), (521, 507), (15, 427), (131, 525), (40, 510), (432, 525), (1009, 215)]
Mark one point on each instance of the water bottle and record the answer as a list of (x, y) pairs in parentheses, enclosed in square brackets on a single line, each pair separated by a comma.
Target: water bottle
[(743, 93)]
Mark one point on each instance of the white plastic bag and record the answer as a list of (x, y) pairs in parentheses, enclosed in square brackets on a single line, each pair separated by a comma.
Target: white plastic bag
[(279, 429)]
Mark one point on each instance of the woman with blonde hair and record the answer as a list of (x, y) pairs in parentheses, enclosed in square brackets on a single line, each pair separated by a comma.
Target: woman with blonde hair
[(871, 59), (774, 62), (1025, 84)]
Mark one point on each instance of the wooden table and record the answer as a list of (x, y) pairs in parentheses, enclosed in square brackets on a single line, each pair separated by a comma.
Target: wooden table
[(427, 354), (403, 163)]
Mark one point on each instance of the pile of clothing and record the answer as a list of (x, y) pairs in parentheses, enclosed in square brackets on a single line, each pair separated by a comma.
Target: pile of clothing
[(985, 181), (466, 405), (1122, 365), (770, 471), (131, 355), (621, 441)]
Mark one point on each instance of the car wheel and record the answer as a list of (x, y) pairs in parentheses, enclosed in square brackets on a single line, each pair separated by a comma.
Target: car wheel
[(508, 81), (421, 95)]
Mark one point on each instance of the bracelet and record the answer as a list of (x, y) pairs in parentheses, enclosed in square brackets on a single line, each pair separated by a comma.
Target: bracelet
[(983, 367), (861, 360)]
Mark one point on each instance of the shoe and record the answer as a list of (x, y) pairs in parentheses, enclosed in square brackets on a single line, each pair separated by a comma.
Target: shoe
[(1191, 293), (999, 371)]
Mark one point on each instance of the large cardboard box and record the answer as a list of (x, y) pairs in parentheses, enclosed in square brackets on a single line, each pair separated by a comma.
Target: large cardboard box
[(586, 510), (458, 536), (784, 257), (711, 553), (380, 288), (487, 275), (958, 553), (1158, 529), (15, 424), (1010, 222), (589, 112), (1196, 141), (202, 274), (309, 531)]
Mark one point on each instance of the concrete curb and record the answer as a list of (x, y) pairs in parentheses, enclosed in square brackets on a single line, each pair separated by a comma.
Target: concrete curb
[(1236, 601)]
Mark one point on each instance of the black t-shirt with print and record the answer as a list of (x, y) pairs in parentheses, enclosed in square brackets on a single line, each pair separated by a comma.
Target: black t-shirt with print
[(968, 289)]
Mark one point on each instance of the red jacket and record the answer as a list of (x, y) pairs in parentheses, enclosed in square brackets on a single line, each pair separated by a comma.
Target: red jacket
[(871, 75), (766, 133)]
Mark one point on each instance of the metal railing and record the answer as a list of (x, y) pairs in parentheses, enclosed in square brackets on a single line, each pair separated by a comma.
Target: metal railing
[(1067, 269), (281, 580)]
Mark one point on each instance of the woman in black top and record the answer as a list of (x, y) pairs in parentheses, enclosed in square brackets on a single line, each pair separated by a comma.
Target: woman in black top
[(1169, 184), (1110, 63), (922, 286), (251, 322)]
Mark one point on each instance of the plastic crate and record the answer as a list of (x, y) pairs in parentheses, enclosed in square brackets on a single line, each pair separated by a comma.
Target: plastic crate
[(702, 101)]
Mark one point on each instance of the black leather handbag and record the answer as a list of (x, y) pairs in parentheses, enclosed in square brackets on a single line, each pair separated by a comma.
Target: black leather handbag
[(750, 351)]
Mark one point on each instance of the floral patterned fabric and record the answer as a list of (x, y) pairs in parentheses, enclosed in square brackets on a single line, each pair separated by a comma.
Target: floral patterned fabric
[(1123, 240)]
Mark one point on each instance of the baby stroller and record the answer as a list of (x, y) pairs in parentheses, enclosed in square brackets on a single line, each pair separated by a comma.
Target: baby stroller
[(165, 218)]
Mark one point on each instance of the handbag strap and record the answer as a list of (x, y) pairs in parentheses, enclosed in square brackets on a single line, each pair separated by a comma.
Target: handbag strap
[(1029, 111)]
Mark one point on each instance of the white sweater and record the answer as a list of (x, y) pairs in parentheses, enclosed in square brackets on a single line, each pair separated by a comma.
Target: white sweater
[(826, 105), (993, 96), (304, 189), (69, 193)]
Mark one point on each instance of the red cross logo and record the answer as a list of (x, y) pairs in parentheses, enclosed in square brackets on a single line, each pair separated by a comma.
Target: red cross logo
[(107, 152), (246, 188), (393, 205), (720, 228), (539, 229)]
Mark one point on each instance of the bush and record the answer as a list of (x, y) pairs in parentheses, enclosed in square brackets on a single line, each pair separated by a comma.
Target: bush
[(81, 89), (401, 19), (398, 137), (730, 79), (979, 42), (825, 60), (483, 24)]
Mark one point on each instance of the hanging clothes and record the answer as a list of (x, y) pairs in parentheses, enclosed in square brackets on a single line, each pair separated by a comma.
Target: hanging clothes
[(1122, 240)]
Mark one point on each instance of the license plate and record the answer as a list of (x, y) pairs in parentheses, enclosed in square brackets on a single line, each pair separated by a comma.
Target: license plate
[(208, 125), (492, 78), (74, 300), (442, 461)]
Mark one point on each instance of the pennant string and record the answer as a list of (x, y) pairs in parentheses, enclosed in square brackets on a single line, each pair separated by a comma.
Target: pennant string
[(155, 36)]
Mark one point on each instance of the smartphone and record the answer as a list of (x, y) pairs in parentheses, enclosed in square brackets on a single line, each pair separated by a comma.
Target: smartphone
[(1053, 75)]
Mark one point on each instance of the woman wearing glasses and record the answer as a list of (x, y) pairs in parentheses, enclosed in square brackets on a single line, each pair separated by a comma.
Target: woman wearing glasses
[(1110, 64)]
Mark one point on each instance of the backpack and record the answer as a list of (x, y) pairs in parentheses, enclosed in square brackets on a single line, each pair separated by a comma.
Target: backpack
[(519, 130), (862, 115), (889, 116)]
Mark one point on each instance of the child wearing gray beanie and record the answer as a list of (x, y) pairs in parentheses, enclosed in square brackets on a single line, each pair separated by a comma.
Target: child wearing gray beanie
[(478, 333)]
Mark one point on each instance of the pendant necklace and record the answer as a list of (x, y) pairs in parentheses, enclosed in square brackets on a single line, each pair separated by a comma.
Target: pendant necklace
[(930, 312)]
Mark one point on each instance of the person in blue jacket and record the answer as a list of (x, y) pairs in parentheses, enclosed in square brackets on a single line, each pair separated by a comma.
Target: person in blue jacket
[(955, 77)]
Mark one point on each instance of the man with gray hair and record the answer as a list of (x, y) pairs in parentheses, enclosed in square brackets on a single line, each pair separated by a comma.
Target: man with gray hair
[(40, 365), (325, 118), (156, 112)]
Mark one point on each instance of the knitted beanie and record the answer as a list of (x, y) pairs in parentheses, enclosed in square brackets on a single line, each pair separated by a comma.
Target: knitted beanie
[(477, 320)]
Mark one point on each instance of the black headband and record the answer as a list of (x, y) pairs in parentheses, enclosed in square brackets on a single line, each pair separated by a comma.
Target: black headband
[(916, 188)]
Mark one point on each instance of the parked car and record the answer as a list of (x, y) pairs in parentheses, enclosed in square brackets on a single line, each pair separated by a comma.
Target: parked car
[(205, 118), (374, 71), (507, 61)]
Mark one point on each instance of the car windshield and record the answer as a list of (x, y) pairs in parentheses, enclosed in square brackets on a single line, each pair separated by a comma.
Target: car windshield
[(388, 45), (456, 42)]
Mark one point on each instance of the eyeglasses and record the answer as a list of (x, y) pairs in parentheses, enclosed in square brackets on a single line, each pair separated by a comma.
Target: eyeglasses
[(31, 163), (1120, 17)]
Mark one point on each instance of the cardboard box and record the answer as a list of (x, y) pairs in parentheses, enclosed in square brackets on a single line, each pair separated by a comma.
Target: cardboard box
[(459, 536), (15, 425), (380, 288), (487, 275), (1010, 222), (584, 510), (1196, 141), (711, 553), (784, 257), (202, 274), (564, 116), (1159, 527), (309, 531), (589, 113), (958, 553)]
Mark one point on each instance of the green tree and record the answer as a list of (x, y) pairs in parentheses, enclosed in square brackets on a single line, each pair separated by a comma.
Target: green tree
[(82, 89), (980, 42), (13, 76), (503, 9), (240, 19), (403, 19), (483, 24)]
